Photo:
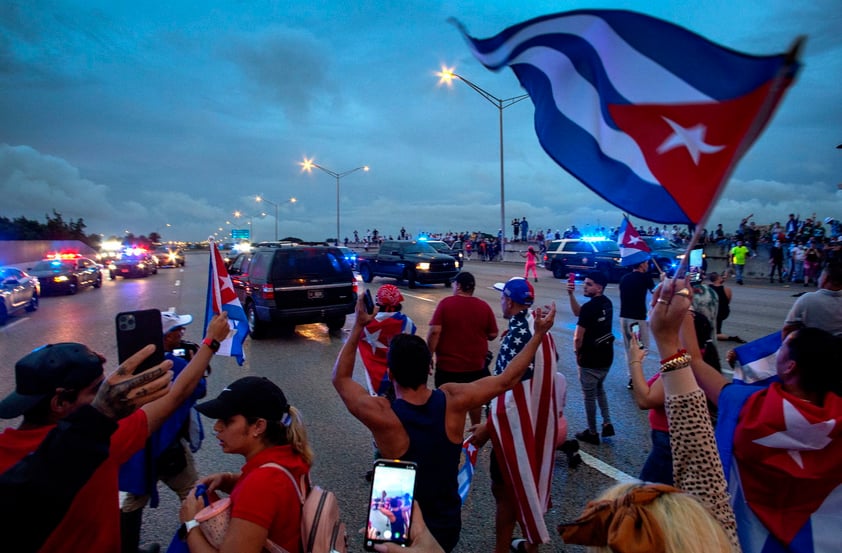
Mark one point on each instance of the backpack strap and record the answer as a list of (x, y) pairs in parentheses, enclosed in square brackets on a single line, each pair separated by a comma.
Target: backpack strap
[(295, 484)]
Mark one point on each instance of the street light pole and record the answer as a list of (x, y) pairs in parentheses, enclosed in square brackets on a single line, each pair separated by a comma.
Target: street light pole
[(262, 199), (308, 165), (446, 76)]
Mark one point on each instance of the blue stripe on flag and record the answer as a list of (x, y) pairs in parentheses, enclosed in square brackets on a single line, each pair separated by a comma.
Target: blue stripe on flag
[(757, 359)]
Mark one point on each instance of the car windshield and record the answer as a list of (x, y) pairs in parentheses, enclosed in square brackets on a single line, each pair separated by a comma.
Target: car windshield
[(420, 247), (606, 246), (660, 243), (53, 265), (440, 247)]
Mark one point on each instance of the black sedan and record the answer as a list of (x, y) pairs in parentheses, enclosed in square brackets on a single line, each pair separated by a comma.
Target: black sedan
[(67, 276), (18, 291), (136, 264)]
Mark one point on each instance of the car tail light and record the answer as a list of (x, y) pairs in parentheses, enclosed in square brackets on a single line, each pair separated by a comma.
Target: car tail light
[(267, 291), (355, 286)]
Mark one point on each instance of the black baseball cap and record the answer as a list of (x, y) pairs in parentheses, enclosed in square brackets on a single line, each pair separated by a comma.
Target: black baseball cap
[(251, 396), (37, 375), (598, 277)]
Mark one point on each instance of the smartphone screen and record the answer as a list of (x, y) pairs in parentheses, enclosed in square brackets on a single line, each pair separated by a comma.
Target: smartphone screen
[(695, 265), (390, 506), (369, 302), (136, 329), (635, 330)]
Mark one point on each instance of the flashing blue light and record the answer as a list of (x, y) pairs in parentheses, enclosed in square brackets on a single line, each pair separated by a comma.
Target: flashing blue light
[(423, 238), (594, 238)]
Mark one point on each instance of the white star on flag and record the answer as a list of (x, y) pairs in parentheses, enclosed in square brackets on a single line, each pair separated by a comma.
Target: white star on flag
[(225, 283), (634, 240), (692, 138), (373, 339), (800, 434)]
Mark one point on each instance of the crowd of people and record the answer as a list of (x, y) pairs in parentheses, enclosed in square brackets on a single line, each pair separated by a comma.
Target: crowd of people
[(699, 491)]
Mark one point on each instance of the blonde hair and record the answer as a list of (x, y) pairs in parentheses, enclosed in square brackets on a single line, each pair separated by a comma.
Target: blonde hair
[(297, 436), (688, 527)]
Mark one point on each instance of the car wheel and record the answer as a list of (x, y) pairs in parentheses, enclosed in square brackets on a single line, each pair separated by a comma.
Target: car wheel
[(98, 282), (365, 273), (410, 279), (335, 323), (111, 276), (559, 271), (73, 287), (257, 328), (3, 315), (33, 303)]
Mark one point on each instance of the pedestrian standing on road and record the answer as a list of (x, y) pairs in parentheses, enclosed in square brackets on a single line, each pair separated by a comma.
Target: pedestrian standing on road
[(168, 453), (634, 287), (812, 262), (738, 260), (723, 306), (531, 263), (593, 342), (423, 425), (523, 424), (460, 330), (255, 420), (776, 261), (51, 384)]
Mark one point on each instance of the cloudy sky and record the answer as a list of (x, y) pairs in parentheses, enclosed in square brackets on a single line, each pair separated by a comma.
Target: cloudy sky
[(169, 116)]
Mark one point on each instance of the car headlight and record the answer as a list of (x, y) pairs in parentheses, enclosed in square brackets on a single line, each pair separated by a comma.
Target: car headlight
[(422, 266), (140, 265), (457, 264), (60, 278), (680, 256)]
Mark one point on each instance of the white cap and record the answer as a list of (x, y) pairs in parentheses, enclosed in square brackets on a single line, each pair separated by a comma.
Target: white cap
[(170, 320)]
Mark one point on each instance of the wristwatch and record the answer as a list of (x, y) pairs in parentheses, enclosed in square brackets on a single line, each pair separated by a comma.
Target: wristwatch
[(185, 528), (212, 344)]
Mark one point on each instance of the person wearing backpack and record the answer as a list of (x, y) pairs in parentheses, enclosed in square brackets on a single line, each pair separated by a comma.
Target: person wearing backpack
[(255, 420)]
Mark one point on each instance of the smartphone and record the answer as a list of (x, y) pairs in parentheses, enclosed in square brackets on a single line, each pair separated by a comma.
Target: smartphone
[(635, 330), (136, 329), (390, 505), (369, 302), (571, 278), (695, 265)]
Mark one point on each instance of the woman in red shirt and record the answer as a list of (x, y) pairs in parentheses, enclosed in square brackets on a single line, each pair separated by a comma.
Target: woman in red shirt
[(255, 420)]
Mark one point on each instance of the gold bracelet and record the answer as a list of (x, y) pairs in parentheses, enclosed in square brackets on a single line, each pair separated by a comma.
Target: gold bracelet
[(677, 363), (634, 361)]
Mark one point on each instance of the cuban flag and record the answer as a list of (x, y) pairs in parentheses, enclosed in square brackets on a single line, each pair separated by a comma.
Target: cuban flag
[(374, 346), (648, 115), (757, 359), (466, 471), (633, 250), (221, 297), (524, 425)]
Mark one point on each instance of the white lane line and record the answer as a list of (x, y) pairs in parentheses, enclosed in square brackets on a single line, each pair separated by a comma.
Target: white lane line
[(177, 283), (15, 323), (421, 298), (607, 469)]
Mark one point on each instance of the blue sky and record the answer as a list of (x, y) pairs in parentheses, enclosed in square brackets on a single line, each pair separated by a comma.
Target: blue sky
[(169, 116)]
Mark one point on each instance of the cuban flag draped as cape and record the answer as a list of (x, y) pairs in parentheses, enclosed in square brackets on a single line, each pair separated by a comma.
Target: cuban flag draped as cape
[(374, 346), (649, 115), (524, 424), (633, 250), (782, 458), (221, 297)]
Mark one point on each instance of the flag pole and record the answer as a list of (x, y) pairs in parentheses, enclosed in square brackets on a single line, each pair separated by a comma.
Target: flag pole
[(760, 119)]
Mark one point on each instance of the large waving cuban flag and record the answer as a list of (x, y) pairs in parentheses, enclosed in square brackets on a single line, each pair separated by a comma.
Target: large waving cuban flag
[(221, 297), (650, 116)]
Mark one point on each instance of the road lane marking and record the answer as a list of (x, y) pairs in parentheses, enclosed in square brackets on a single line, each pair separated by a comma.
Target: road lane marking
[(422, 298), (177, 283), (14, 323), (607, 469)]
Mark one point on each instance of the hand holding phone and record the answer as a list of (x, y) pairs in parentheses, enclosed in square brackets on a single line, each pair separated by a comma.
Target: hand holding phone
[(391, 502), (635, 330), (571, 282), (369, 302), (136, 329)]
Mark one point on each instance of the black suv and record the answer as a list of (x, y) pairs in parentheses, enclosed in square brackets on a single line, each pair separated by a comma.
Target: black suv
[(288, 284), (581, 256)]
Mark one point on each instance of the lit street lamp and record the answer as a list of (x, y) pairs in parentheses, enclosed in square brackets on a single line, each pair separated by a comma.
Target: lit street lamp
[(307, 165), (262, 199), (446, 76)]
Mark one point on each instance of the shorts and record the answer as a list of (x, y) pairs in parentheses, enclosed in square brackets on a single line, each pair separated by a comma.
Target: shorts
[(443, 377), (494, 470)]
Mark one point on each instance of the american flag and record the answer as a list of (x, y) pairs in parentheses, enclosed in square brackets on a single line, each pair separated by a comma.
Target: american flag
[(649, 115), (785, 469), (221, 297), (374, 346), (633, 250), (524, 425)]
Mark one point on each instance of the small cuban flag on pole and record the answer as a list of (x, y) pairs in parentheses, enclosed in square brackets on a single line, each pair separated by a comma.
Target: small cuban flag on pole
[(466, 471), (221, 297), (633, 250)]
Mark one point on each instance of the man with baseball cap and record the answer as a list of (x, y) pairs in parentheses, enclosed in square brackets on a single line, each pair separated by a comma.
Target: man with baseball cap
[(593, 342), (54, 382), (166, 456), (460, 330), (526, 499)]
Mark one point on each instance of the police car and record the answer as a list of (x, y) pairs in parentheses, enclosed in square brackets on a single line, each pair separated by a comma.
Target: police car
[(66, 273), (582, 255)]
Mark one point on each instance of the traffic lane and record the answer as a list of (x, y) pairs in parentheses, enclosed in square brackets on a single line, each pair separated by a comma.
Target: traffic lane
[(87, 317)]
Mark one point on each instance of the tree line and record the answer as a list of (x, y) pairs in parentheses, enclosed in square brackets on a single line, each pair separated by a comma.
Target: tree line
[(55, 228)]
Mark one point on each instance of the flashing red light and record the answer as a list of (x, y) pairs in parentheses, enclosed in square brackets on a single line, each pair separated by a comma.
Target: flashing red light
[(62, 255)]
